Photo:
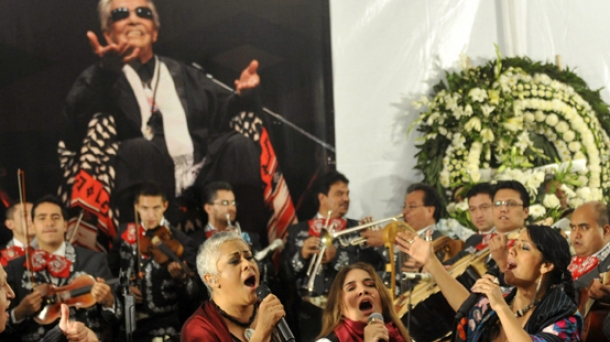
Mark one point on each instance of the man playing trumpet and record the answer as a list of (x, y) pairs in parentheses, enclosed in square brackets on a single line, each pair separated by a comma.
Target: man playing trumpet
[(303, 243)]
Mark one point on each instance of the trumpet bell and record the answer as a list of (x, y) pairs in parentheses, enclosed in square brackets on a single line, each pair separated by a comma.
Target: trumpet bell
[(393, 228)]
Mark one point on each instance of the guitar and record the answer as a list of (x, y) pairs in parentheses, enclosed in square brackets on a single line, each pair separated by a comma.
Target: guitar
[(594, 312)]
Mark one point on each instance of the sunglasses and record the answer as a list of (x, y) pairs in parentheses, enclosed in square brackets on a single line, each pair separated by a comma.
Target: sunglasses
[(123, 13)]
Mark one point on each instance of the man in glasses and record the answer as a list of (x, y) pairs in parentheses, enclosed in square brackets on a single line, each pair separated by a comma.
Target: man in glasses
[(480, 208), (162, 290), (146, 117)]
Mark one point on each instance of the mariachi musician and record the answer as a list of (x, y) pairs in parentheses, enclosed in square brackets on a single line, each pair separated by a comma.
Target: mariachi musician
[(162, 281), (20, 223), (303, 243), (59, 263), (590, 237)]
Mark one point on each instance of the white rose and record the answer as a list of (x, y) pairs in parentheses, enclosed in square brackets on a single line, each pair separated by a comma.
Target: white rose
[(529, 117), (537, 211), (552, 120), (550, 201), (583, 180), (596, 194)]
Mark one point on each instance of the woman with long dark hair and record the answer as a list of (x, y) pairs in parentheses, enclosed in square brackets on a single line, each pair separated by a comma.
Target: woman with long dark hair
[(355, 294), (539, 307)]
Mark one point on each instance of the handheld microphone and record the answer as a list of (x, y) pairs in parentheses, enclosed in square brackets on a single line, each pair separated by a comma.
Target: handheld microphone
[(376, 316), (260, 255), (425, 277), (474, 297), (282, 327)]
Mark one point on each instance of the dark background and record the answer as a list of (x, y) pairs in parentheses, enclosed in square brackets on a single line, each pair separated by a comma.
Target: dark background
[(43, 48)]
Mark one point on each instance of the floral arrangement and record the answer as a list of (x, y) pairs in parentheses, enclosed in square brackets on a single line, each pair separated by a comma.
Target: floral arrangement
[(501, 120)]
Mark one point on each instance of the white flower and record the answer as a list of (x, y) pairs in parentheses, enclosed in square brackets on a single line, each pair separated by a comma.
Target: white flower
[(550, 201), (552, 120), (583, 180), (487, 135), (575, 202), (487, 109), (477, 94), (529, 117), (468, 110), (473, 123), (537, 211), (514, 124), (442, 131), (451, 208), (574, 146), (462, 206), (584, 193), (539, 116), (562, 127), (569, 136)]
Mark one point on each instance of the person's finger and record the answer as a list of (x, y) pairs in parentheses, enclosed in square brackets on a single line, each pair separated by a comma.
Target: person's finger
[(93, 41), (100, 280), (253, 67), (132, 56), (65, 316)]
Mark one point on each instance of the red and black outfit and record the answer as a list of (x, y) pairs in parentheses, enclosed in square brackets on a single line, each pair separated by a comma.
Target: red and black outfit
[(350, 331)]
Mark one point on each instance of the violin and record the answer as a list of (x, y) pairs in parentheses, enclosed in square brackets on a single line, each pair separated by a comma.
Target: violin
[(593, 312), (160, 244), (76, 294)]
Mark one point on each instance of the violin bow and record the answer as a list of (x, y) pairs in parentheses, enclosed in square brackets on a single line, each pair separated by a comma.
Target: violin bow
[(75, 230), (137, 232), (21, 187)]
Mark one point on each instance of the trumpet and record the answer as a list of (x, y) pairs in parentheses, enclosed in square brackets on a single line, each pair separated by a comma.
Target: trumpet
[(327, 236), (316, 260), (236, 228)]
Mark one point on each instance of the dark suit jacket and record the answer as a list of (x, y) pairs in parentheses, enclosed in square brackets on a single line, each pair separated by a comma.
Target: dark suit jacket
[(84, 261)]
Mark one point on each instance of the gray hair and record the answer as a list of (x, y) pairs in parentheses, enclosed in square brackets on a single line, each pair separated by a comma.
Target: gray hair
[(208, 255), (103, 8)]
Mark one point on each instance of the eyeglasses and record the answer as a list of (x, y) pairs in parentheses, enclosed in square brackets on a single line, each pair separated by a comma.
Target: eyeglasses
[(226, 203), (411, 207), (123, 13), (508, 204)]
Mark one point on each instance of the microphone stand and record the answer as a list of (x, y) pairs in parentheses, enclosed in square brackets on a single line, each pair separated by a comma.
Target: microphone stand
[(409, 306)]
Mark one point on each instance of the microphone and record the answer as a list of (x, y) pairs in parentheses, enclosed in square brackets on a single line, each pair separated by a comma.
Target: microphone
[(260, 255), (425, 277), (376, 316), (282, 328), (474, 297)]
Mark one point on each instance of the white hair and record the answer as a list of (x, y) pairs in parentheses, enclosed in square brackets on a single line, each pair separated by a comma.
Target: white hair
[(208, 255), (103, 8)]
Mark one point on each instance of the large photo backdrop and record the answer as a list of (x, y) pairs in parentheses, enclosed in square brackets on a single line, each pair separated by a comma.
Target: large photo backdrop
[(43, 48)]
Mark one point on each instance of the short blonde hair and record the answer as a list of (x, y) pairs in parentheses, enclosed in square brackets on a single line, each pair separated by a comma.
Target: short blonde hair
[(103, 8), (208, 255)]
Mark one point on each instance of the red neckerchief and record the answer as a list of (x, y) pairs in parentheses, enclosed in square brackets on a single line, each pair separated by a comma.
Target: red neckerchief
[(11, 253), (580, 266), (58, 266), (129, 235), (348, 331), (317, 224)]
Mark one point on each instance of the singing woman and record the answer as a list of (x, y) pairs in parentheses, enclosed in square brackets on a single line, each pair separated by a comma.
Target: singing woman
[(355, 294), (539, 306), (229, 271)]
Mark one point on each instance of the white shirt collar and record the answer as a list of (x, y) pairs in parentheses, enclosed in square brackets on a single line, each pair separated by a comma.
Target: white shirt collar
[(61, 251), (492, 230), (422, 233)]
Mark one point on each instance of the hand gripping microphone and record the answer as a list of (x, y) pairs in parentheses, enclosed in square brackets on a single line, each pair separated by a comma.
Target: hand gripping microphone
[(474, 297), (376, 316), (282, 328)]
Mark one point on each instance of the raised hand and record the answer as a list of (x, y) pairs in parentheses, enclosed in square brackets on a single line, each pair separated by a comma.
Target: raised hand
[(249, 78), (102, 293), (498, 247), (419, 249), (113, 56), (73, 330)]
